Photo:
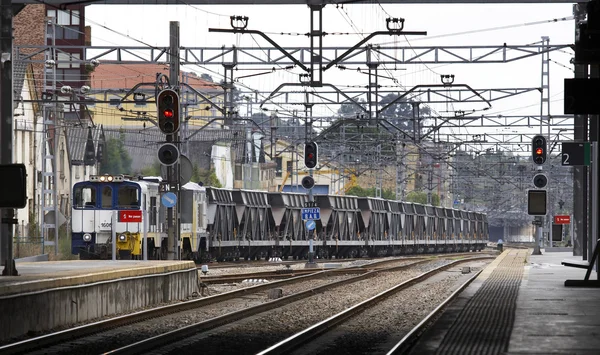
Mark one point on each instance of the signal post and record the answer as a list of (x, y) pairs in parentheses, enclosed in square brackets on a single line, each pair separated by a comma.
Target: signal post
[(537, 199), (311, 212), (168, 115)]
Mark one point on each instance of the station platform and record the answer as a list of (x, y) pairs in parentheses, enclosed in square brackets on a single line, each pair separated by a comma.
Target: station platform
[(520, 305), (51, 294), (35, 276)]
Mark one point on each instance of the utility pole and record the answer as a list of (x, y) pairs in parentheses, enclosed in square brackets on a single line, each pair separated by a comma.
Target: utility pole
[(6, 120), (175, 171)]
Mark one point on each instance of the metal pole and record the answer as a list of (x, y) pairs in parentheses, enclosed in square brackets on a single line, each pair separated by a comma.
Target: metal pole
[(145, 237), (174, 181), (538, 236), (113, 225), (6, 130), (311, 251), (579, 230)]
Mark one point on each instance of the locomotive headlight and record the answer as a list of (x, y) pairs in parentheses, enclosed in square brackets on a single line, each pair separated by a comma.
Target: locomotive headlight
[(102, 178), (109, 178), (87, 237), (122, 237)]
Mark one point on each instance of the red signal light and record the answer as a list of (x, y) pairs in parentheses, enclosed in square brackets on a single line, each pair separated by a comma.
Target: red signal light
[(539, 151), (311, 155), (168, 113)]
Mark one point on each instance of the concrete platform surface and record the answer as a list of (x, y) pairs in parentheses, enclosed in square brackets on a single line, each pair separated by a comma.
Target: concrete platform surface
[(36, 276), (547, 318), (552, 318)]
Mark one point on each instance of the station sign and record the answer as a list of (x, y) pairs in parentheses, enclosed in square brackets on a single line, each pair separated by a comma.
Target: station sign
[(130, 216), (311, 213), (562, 219), (575, 154)]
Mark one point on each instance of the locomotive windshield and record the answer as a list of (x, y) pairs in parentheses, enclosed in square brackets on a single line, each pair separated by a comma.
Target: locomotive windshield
[(85, 197), (128, 197)]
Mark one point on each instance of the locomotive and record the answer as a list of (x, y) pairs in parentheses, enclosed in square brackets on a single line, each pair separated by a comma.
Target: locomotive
[(231, 224)]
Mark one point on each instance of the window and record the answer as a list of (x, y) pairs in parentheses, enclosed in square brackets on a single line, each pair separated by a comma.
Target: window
[(84, 197), (128, 197), (152, 211), (65, 17), (107, 197), (67, 24), (279, 162), (289, 166), (68, 60)]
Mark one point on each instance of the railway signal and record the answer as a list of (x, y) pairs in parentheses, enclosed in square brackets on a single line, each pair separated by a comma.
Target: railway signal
[(311, 152), (540, 181), (168, 154), (538, 149), (308, 182), (167, 104)]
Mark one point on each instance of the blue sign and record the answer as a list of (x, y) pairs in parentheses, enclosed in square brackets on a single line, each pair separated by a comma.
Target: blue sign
[(169, 199), (310, 225), (311, 213)]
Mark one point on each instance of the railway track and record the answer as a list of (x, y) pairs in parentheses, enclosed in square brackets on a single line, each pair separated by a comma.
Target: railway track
[(62, 342), (200, 333), (66, 336), (322, 338)]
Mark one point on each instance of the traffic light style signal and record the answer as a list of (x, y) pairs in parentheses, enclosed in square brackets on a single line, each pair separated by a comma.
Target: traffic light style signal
[(540, 181), (167, 104), (538, 149), (168, 154), (311, 152), (308, 182)]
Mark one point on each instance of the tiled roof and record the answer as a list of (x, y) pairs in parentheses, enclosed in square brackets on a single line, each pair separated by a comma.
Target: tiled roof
[(126, 76)]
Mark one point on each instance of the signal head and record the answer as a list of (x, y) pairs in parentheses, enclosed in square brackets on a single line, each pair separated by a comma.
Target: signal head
[(167, 105), (308, 182), (311, 152), (538, 150), (168, 154), (540, 181)]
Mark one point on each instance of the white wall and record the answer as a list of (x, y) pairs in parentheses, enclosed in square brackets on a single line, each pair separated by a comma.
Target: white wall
[(222, 161), (26, 149)]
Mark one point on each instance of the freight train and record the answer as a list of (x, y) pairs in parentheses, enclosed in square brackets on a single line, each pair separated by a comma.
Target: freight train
[(231, 224)]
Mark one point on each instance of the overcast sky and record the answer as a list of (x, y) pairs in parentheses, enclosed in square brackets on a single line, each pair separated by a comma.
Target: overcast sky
[(133, 24)]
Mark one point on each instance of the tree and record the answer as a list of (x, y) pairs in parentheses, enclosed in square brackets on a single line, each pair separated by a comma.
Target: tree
[(351, 110), (421, 197), (401, 112), (370, 192), (206, 77), (207, 177), (152, 170), (117, 159)]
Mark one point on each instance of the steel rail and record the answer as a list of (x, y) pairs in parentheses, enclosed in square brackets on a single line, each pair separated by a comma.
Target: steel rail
[(301, 338), (404, 345), (96, 327), (193, 329)]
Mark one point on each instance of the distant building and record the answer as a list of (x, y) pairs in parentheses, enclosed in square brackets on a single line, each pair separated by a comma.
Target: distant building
[(39, 25)]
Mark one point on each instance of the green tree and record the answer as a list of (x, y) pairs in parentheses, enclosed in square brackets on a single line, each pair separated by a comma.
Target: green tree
[(421, 197), (370, 192), (117, 159), (208, 177), (152, 170)]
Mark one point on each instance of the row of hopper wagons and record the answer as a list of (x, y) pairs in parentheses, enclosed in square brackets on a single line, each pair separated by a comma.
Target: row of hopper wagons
[(252, 224)]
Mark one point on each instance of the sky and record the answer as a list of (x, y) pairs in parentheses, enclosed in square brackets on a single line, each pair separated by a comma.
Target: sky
[(456, 25)]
